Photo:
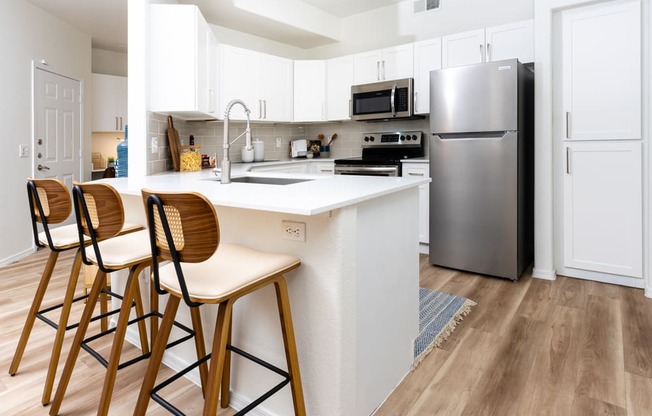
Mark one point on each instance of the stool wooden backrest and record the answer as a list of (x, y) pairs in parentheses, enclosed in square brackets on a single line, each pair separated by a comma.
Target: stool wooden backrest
[(183, 228), (49, 203), (100, 206)]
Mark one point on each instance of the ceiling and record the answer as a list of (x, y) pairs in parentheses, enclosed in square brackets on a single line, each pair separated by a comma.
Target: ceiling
[(312, 23)]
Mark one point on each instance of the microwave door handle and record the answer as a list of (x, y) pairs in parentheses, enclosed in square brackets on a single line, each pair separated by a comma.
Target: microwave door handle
[(392, 100)]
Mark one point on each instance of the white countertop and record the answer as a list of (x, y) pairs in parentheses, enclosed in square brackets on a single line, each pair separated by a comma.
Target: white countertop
[(321, 194)]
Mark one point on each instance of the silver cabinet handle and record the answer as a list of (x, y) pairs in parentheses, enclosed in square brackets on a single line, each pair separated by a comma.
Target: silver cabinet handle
[(260, 109), (378, 70), (116, 122), (415, 174), (568, 160), (481, 55), (350, 108), (488, 52), (383, 69), (41, 167), (121, 125), (568, 124), (265, 109)]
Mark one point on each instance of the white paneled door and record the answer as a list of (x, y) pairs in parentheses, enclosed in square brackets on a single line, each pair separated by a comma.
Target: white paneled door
[(57, 127), (603, 207)]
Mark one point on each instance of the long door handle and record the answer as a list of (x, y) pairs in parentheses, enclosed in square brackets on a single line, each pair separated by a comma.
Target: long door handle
[(42, 167), (568, 160), (568, 124)]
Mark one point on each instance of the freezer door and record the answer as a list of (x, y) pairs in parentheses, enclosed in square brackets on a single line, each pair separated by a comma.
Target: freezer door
[(475, 98), (474, 221)]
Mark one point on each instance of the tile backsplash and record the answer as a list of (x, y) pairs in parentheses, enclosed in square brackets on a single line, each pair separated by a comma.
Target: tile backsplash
[(210, 135)]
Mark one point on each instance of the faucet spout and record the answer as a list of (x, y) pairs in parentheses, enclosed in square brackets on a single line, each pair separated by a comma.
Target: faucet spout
[(226, 163)]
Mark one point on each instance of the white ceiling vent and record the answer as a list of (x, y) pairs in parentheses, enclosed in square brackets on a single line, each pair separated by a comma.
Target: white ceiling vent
[(425, 5)]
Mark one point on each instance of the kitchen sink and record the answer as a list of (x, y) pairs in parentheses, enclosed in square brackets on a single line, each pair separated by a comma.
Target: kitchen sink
[(267, 181)]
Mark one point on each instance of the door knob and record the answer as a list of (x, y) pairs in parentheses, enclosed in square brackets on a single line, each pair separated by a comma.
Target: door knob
[(41, 167), (39, 155)]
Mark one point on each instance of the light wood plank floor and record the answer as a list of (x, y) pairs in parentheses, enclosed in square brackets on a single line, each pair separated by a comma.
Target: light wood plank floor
[(568, 347)]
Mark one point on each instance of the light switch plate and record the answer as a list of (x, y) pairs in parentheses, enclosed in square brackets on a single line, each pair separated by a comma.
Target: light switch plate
[(23, 150), (154, 144)]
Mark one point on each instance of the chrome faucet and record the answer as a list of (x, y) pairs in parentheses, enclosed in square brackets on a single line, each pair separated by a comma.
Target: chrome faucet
[(226, 163)]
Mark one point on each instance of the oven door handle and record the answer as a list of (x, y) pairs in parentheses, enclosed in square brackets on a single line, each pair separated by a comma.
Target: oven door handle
[(391, 102), (375, 169)]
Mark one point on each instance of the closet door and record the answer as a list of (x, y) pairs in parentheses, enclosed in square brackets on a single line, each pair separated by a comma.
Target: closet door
[(602, 71)]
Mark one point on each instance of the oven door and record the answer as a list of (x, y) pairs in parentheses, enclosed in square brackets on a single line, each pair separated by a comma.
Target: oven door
[(369, 170)]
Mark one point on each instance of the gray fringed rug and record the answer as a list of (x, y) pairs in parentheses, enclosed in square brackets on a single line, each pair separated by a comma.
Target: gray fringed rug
[(439, 314)]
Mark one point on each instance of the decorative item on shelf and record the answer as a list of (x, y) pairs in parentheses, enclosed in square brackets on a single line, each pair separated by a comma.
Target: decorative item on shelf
[(110, 161), (205, 161), (190, 158), (109, 172), (259, 150)]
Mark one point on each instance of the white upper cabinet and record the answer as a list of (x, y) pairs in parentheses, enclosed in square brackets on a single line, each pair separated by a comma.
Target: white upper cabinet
[(310, 90), (264, 82), (602, 72), (514, 40), (109, 111), (427, 57), (384, 64), (183, 62), (339, 79)]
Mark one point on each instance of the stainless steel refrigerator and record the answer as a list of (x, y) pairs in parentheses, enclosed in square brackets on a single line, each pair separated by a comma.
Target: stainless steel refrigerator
[(481, 167)]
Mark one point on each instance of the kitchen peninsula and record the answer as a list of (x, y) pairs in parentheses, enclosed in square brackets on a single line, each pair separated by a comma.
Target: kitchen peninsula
[(354, 299)]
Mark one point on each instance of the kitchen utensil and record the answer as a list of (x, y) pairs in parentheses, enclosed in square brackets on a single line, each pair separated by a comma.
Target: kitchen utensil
[(320, 137), (173, 139), (331, 139)]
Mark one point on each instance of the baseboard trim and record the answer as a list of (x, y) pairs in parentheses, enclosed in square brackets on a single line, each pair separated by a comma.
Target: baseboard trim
[(15, 257), (544, 274)]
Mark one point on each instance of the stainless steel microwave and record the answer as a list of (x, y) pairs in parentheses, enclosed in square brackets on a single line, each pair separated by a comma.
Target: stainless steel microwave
[(383, 100)]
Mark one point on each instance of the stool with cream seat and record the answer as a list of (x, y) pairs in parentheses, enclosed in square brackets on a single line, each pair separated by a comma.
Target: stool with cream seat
[(100, 214), (184, 230), (50, 204)]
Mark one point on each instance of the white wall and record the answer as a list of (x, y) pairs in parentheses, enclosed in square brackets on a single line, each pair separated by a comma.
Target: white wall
[(109, 62), (27, 33)]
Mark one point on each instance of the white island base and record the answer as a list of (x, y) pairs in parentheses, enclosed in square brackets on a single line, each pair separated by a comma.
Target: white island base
[(354, 303)]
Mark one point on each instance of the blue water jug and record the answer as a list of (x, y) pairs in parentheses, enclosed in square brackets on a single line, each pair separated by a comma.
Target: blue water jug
[(122, 163)]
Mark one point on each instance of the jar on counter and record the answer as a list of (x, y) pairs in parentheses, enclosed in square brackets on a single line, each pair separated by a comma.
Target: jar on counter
[(189, 159)]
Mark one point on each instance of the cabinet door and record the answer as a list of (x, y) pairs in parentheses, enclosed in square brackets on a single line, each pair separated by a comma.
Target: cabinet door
[(239, 69), (421, 170), (603, 207), (277, 86), (514, 40), (463, 48), (397, 62), (109, 104), (206, 68), (601, 71), (366, 67), (339, 79), (427, 57), (309, 90)]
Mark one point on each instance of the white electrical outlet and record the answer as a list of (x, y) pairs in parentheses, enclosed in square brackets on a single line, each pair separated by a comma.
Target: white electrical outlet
[(295, 231), (154, 144), (279, 142)]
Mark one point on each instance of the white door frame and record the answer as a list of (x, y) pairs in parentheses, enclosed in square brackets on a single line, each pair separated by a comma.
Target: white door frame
[(43, 66)]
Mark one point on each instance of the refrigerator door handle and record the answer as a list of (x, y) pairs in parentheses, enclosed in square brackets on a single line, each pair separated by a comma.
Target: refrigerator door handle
[(476, 136)]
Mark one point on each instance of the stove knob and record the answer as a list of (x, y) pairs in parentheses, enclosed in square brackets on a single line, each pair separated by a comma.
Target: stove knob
[(402, 137), (366, 138), (414, 137), (372, 138)]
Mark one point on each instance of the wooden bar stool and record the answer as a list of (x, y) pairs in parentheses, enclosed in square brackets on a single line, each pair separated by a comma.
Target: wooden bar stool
[(50, 204), (100, 214), (184, 230)]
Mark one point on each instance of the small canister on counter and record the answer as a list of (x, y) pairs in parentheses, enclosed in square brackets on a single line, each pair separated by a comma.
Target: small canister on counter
[(189, 159)]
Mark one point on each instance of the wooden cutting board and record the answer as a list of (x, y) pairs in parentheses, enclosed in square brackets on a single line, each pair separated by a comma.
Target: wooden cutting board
[(175, 145)]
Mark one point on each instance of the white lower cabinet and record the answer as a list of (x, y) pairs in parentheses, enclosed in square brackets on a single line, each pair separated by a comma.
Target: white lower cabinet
[(603, 207), (421, 170)]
